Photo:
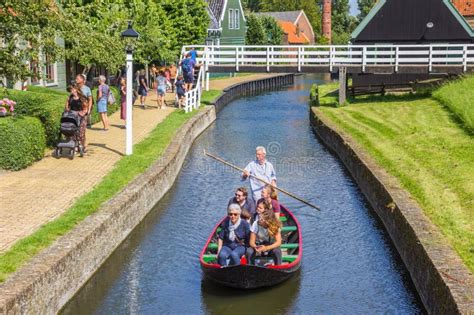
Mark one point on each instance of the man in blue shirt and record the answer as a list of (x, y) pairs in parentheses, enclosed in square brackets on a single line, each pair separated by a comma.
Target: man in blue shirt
[(193, 54), (262, 169)]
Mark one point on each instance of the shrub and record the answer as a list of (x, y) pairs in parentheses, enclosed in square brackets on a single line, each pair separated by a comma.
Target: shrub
[(22, 141), (48, 107), (45, 90)]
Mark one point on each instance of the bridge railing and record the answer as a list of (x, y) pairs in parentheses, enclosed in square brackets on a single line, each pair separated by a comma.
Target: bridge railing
[(461, 55)]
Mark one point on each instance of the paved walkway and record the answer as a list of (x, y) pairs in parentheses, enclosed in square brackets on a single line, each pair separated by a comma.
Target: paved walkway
[(43, 191)]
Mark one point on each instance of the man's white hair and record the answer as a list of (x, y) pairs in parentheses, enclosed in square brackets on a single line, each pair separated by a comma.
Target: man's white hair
[(260, 148), (234, 207), (102, 78)]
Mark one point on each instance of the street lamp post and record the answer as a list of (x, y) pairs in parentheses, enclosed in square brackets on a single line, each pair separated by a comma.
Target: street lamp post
[(132, 34)]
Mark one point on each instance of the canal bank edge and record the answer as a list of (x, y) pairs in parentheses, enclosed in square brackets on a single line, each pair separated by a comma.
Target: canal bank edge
[(444, 283), (49, 280)]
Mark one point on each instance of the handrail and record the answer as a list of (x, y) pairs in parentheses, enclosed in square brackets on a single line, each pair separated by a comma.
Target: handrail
[(429, 55)]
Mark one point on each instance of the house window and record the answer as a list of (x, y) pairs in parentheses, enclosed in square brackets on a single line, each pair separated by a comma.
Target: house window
[(236, 20), (36, 75), (231, 19), (50, 71)]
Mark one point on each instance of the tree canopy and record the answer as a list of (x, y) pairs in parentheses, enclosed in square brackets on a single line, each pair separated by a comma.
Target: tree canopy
[(364, 7), (263, 30), (91, 31)]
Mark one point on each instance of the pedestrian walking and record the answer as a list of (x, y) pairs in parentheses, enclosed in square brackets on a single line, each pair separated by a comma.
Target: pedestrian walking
[(173, 73), (86, 91), (187, 65), (153, 73), (161, 89), (123, 99), (180, 91), (142, 88), (103, 92)]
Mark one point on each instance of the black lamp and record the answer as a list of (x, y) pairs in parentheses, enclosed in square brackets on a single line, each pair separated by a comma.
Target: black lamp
[(130, 33)]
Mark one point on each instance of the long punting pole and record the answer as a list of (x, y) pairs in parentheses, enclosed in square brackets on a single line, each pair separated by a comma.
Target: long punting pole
[(262, 180)]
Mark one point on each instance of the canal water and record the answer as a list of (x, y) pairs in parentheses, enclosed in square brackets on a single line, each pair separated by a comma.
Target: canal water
[(349, 264)]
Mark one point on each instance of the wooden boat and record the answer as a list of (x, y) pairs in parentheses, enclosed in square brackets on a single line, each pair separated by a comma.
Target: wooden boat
[(246, 276)]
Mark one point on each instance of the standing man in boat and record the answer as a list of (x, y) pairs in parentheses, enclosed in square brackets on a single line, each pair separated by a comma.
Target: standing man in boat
[(259, 168)]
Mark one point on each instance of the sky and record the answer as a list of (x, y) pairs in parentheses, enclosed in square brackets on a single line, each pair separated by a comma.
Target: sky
[(353, 10)]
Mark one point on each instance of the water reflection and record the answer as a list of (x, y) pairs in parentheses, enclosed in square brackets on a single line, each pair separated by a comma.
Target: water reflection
[(276, 300)]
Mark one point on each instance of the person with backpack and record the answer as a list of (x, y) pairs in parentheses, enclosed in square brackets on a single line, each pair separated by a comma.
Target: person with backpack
[(103, 92), (187, 65)]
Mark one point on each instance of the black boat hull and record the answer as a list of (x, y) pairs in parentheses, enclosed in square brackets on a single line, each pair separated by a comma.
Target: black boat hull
[(248, 276)]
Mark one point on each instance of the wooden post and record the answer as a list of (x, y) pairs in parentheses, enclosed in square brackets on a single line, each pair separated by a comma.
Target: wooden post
[(342, 85)]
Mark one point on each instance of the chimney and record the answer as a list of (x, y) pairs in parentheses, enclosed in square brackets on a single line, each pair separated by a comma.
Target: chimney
[(298, 29), (327, 19)]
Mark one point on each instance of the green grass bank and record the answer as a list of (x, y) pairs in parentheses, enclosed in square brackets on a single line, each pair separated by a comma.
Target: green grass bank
[(422, 140), (126, 169)]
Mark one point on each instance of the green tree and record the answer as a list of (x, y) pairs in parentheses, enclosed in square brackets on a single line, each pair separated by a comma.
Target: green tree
[(155, 37), (255, 32), (274, 33), (365, 6), (28, 30), (92, 32), (252, 5), (342, 22), (188, 23)]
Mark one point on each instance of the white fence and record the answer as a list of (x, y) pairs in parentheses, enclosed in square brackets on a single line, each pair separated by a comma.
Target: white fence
[(396, 56)]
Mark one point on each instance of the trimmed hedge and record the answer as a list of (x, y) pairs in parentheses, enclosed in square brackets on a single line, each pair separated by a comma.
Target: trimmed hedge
[(48, 106), (22, 142), (45, 90)]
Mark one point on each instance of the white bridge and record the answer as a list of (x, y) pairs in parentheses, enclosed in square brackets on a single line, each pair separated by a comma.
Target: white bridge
[(433, 58)]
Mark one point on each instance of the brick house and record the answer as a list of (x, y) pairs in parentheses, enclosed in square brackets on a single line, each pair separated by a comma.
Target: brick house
[(295, 25)]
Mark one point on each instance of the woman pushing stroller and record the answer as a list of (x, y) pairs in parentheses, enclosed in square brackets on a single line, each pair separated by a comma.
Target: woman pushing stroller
[(77, 102)]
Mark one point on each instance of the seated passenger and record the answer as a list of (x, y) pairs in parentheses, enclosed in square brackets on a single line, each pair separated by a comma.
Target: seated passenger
[(246, 204), (269, 194), (233, 237), (265, 235)]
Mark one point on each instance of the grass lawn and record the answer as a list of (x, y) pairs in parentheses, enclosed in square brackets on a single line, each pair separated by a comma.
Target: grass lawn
[(458, 96), (416, 139), (129, 167)]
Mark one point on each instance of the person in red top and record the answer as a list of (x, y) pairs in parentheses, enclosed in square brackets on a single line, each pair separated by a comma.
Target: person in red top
[(269, 194)]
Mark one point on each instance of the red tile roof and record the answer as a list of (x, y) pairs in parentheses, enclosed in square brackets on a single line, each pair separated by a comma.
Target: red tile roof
[(293, 38), (465, 7)]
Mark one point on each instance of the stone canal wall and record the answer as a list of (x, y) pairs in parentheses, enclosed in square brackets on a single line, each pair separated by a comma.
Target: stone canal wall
[(250, 88), (443, 282), (49, 280)]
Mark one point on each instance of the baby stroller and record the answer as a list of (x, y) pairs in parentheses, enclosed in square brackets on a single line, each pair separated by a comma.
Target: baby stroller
[(70, 128)]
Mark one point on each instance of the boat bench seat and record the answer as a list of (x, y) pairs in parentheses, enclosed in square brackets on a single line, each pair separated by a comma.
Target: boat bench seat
[(212, 257), (289, 228), (283, 246)]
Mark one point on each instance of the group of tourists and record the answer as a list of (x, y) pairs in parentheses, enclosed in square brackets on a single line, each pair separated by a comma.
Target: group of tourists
[(253, 226), (163, 79)]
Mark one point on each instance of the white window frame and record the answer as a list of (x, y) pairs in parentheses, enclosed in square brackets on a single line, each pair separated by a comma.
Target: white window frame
[(231, 19), (237, 19)]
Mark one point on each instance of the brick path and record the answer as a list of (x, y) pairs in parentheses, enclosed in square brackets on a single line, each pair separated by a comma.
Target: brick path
[(40, 193)]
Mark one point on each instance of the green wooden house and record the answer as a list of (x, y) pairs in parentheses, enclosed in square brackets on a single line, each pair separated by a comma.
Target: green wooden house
[(227, 23)]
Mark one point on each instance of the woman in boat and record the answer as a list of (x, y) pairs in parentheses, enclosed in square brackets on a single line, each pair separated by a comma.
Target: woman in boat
[(265, 235), (269, 194), (233, 237)]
